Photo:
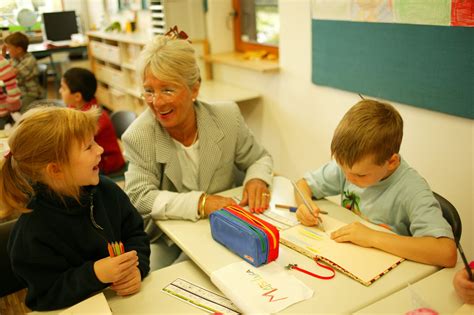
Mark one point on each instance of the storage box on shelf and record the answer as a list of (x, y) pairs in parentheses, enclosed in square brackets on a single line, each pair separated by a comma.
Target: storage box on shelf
[(113, 60)]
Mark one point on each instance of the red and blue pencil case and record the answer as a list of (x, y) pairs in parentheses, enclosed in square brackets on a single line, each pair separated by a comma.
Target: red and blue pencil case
[(253, 239)]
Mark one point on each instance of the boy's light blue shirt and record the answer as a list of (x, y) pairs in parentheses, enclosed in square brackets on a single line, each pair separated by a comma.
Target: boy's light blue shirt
[(403, 202)]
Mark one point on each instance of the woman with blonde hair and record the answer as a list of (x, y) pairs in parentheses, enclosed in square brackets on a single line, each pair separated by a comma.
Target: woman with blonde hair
[(59, 247), (182, 152)]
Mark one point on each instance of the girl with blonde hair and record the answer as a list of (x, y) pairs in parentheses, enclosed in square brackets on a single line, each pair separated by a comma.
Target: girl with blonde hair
[(69, 214)]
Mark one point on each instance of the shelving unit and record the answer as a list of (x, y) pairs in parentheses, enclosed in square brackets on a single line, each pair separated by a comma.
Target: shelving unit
[(158, 22), (113, 58)]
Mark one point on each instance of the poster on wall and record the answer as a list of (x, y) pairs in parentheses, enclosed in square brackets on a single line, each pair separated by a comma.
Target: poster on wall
[(426, 12), (416, 52)]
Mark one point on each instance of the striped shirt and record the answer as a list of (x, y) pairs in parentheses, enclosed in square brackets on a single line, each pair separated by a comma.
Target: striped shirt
[(9, 91)]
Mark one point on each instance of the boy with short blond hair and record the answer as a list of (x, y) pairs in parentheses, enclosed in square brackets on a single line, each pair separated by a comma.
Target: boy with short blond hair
[(25, 67), (378, 185)]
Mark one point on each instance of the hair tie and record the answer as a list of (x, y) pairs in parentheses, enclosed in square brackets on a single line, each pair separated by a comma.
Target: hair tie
[(174, 33), (7, 154)]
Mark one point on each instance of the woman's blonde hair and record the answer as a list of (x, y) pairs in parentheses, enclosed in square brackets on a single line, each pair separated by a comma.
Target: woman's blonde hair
[(369, 128), (44, 135), (170, 60)]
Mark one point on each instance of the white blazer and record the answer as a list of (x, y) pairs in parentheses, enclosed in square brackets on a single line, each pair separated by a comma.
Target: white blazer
[(225, 143)]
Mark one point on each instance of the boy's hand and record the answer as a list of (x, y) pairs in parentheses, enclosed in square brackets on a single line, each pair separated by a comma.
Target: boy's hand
[(4, 50), (129, 285), (113, 269), (464, 287), (304, 215), (356, 233), (256, 195)]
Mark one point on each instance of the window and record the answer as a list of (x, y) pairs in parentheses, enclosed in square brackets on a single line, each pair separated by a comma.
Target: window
[(256, 25)]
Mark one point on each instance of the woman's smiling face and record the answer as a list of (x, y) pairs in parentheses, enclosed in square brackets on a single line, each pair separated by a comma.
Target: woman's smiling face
[(171, 103)]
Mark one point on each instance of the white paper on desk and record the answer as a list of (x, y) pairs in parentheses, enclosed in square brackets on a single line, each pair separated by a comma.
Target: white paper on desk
[(266, 289), (282, 193), (96, 305)]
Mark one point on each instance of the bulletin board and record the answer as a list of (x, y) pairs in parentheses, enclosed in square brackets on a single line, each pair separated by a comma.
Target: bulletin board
[(429, 66)]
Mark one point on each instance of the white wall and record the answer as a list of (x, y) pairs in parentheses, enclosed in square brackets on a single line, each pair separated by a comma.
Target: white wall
[(295, 119)]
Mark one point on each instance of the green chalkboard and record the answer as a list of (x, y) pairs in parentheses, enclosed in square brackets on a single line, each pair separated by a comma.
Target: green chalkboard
[(421, 65)]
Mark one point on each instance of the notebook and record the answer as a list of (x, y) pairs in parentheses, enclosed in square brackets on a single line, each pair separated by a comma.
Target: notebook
[(365, 265)]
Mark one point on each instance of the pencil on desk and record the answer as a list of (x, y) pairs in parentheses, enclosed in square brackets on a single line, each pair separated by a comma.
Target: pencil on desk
[(293, 209)]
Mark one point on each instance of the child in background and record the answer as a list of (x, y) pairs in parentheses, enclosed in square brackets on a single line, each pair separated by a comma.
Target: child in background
[(59, 245), (463, 286), (9, 92), (377, 184), (78, 87), (25, 67)]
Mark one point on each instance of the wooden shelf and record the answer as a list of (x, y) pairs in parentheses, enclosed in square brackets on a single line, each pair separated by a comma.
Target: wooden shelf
[(237, 60), (130, 38), (212, 91)]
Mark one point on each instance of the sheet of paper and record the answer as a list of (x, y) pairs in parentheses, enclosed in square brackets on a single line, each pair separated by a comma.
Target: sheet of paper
[(267, 289), (282, 193), (96, 305)]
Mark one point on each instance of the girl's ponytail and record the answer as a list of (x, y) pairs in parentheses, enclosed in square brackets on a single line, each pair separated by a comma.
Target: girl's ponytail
[(15, 189)]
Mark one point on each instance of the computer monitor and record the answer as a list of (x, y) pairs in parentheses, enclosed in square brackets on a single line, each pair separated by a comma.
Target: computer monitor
[(59, 26)]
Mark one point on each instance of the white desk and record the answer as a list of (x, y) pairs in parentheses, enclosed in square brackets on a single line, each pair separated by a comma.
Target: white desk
[(436, 291), (340, 295), (151, 300)]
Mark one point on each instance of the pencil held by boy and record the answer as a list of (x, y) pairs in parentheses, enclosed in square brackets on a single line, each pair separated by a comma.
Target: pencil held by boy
[(25, 68), (376, 183), (70, 215), (78, 87)]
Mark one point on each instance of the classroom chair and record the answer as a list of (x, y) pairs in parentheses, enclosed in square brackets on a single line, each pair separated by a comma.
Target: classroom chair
[(43, 79), (9, 283), (121, 120), (451, 215)]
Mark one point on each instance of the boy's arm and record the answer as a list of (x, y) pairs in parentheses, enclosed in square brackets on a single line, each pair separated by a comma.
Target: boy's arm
[(25, 69), (425, 249)]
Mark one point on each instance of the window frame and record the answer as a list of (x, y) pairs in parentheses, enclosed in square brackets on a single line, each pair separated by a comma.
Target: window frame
[(242, 46)]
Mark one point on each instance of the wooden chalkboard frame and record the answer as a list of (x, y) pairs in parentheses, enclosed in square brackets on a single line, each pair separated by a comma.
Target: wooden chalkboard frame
[(421, 65)]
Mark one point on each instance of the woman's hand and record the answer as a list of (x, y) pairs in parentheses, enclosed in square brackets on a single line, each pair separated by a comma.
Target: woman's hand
[(129, 284), (256, 195), (356, 233), (216, 202), (113, 269), (464, 287)]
